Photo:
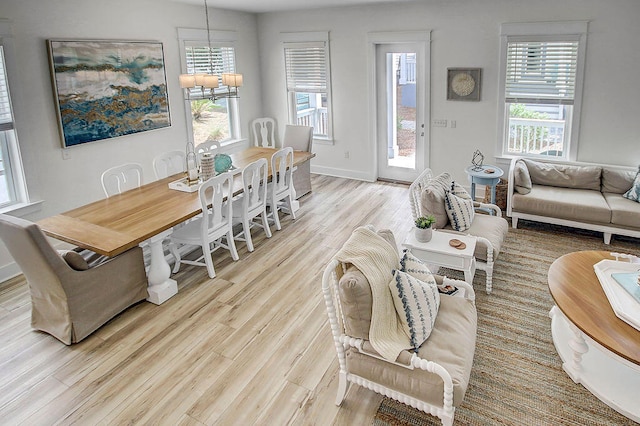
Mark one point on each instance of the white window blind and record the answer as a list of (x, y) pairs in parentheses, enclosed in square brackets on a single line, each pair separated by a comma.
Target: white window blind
[(6, 118), (306, 67), (200, 59), (541, 72)]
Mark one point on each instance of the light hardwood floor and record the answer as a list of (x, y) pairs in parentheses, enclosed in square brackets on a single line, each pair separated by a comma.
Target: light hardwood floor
[(251, 346)]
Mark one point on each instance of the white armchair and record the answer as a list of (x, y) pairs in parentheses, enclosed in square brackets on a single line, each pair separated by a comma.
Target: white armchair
[(427, 194)]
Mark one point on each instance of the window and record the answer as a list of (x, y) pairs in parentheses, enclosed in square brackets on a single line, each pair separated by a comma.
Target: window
[(541, 77), (12, 183), (308, 79), (209, 120)]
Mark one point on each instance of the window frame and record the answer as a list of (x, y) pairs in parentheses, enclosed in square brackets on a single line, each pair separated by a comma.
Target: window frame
[(299, 39), (10, 147), (190, 36), (543, 32)]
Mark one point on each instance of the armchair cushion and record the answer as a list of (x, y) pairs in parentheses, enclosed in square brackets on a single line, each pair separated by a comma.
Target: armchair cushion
[(460, 211), (432, 199), (356, 302), (74, 260), (451, 344), (417, 305)]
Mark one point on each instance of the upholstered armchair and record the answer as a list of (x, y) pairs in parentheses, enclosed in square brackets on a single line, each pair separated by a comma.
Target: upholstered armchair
[(70, 297), (300, 138), (427, 195), (433, 378)]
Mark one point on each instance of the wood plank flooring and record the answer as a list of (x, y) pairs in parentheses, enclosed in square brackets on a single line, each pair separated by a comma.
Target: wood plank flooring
[(251, 346)]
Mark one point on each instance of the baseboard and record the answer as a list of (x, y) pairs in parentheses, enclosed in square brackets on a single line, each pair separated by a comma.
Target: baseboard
[(343, 173), (9, 271)]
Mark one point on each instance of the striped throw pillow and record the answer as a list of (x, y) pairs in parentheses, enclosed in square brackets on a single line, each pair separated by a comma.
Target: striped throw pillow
[(459, 210)]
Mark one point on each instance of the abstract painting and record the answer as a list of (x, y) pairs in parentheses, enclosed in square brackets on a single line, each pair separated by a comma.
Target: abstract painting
[(106, 89)]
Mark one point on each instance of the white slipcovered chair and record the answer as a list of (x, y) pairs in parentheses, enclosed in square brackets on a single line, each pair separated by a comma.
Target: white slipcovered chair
[(434, 378), (119, 179), (252, 202), (209, 146), (209, 231), (280, 189), (300, 138), (169, 163), (427, 194), (264, 132)]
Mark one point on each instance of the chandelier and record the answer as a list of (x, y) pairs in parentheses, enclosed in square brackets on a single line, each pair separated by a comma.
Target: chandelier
[(211, 81)]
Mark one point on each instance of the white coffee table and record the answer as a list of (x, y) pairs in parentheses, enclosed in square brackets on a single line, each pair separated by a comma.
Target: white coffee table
[(439, 252)]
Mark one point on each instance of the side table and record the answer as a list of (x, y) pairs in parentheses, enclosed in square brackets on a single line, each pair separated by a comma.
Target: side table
[(440, 253), (488, 176)]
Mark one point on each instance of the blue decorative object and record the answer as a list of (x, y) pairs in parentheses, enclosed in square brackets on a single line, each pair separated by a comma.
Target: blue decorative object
[(222, 163)]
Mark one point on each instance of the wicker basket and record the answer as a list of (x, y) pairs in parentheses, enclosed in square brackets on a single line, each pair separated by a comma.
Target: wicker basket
[(501, 194)]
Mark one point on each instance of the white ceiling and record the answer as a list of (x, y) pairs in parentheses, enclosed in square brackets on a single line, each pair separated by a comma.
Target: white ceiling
[(261, 6)]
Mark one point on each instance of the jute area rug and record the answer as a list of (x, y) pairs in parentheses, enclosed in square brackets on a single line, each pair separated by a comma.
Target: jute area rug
[(517, 376)]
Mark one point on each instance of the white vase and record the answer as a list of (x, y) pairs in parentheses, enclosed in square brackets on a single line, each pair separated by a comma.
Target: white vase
[(424, 235)]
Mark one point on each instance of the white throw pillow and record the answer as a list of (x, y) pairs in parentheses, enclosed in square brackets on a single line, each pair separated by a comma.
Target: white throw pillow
[(634, 192), (460, 211), (417, 304), (459, 191)]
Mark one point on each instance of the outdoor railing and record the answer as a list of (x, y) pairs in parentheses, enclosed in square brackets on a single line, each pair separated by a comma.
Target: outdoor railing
[(536, 136), (316, 118)]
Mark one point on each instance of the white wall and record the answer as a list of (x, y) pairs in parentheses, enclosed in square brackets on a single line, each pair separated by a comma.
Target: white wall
[(65, 184), (464, 34)]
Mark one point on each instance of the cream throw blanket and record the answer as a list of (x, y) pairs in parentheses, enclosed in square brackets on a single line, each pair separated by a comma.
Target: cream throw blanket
[(376, 258)]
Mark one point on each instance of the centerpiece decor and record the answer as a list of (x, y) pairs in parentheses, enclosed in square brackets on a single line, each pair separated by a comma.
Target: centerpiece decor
[(424, 228)]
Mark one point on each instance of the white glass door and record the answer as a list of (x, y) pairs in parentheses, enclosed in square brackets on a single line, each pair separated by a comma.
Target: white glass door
[(400, 100)]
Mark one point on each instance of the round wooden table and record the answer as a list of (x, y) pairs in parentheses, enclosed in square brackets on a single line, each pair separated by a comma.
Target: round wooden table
[(598, 350)]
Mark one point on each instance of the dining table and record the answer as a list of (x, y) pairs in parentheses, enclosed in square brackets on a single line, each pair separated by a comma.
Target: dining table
[(148, 213)]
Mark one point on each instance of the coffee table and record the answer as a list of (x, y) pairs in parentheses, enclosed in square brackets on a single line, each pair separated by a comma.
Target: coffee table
[(598, 350), (440, 253)]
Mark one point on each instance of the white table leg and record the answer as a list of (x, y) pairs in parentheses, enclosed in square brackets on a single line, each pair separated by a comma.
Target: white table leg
[(578, 348), (161, 286), (470, 272)]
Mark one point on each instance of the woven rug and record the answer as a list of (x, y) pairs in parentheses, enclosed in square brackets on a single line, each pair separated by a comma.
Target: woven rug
[(517, 376)]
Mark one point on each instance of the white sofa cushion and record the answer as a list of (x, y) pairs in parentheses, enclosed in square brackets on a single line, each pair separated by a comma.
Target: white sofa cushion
[(564, 176), (624, 212), (582, 205)]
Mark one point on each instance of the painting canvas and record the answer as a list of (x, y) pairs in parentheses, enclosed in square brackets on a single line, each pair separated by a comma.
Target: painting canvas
[(106, 89)]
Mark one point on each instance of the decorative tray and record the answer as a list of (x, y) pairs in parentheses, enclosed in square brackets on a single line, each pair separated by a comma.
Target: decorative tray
[(184, 186), (622, 300)]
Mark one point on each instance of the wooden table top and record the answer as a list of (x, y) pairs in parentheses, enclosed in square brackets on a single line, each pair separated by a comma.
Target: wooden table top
[(577, 292), (120, 222)]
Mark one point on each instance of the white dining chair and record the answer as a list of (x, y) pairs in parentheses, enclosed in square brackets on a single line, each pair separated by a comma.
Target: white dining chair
[(169, 163), (300, 138), (119, 179), (213, 230), (280, 189), (252, 202), (264, 132), (209, 146)]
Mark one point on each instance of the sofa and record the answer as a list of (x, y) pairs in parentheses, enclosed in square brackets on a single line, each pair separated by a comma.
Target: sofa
[(432, 378), (580, 195)]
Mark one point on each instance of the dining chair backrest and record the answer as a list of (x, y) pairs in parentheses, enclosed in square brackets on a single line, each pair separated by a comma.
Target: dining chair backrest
[(119, 179), (264, 132), (299, 138), (281, 169), (216, 213), (169, 163), (254, 183)]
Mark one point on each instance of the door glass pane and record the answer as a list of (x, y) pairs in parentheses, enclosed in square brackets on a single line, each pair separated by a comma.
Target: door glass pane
[(210, 120), (402, 110)]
